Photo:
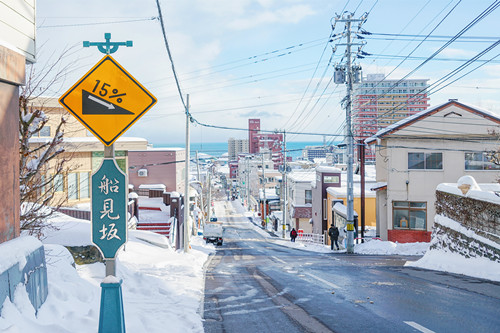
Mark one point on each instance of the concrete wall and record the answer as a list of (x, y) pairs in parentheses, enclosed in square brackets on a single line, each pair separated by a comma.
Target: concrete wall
[(171, 174)]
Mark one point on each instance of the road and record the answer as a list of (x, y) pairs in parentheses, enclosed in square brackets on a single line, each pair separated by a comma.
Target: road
[(255, 285)]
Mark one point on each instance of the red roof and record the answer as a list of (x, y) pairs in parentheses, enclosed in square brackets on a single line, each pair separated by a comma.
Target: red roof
[(302, 212)]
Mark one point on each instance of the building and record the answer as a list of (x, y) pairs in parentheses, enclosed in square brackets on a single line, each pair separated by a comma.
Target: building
[(83, 152), (300, 199), (325, 177), (379, 102), (152, 166), (414, 155), (23, 260), (269, 144), (235, 147), (312, 152)]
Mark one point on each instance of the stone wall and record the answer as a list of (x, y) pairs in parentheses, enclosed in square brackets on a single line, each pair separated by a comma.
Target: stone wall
[(480, 216), (477, 233)]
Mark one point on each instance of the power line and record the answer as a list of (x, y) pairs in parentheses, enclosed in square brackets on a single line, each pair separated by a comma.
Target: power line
[(96, 23), (171, 59)]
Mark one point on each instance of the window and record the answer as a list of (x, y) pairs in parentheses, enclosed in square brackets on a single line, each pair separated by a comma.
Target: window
[(58, 183), (324, 209), (84, 185), (72, 186), (409, 215), (331, 179), (479, 161), (425, 161), (308, 197), (44, 131)]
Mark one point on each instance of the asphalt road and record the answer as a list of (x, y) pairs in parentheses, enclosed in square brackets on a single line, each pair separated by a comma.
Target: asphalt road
[(255, 285)]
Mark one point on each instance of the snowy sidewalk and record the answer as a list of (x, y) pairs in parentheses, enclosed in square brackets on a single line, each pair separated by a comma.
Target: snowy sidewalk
[(162, 288)]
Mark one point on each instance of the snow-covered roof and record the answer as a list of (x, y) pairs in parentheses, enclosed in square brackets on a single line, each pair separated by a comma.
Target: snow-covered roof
[(153, 186), (423, 114), (342, 191), (327, 169), (302, 175), (342, 209)]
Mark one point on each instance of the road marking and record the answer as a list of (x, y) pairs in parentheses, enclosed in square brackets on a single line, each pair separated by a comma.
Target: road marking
[(323, 281), (418, 327), (278, 259)]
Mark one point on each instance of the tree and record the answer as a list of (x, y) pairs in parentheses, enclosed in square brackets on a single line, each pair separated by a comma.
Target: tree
[(41, 163)]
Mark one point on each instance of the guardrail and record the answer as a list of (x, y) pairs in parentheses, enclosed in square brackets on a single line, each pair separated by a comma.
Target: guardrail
[(311, 238)]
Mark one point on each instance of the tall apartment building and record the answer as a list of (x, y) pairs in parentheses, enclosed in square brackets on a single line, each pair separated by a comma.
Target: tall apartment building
[(380, 102), (265, 143), (235, 147)]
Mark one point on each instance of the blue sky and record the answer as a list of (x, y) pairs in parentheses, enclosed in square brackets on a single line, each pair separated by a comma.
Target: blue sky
[(222, 51)]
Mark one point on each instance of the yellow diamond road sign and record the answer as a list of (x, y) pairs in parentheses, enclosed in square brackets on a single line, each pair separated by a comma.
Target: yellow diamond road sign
[(107, 100)]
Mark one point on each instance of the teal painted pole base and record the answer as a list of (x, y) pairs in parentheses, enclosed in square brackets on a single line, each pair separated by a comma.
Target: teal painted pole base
[(111, 318)]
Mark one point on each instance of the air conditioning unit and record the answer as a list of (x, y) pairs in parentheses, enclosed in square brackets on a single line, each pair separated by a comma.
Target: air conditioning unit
[(142, 172)]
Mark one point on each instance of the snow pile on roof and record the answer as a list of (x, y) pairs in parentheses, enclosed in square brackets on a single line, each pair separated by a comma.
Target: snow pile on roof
[(153, 186), (328, 169)]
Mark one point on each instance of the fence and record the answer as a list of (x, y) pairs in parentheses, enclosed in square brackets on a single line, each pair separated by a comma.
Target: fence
[(311, 238), (85, 214)]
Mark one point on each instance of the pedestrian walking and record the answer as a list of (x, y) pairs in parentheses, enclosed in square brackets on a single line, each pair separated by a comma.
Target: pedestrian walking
[(293, 234), (333, 232)]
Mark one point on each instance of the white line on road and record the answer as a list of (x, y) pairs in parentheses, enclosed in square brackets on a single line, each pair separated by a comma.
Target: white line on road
[(323, 281), (418, 327), (278, 259)]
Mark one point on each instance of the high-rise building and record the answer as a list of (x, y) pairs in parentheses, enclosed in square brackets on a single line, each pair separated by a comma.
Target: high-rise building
[(379, 102), (235, 147), (269, 144)]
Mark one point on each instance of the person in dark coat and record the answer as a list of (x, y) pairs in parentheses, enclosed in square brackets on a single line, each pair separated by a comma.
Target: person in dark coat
[(293, 234), (333, 232)]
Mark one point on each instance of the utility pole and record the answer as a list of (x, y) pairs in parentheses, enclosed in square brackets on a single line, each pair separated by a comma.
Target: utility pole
[(201, 196), (264, 212), (248, 182), (186, 181), (209, 203), (285, 190), (348, 79)]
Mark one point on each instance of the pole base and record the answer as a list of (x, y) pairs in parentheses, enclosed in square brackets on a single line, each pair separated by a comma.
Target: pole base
[(111, 317)]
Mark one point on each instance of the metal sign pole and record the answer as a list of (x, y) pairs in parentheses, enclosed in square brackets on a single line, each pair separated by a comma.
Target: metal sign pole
[(109, 152)]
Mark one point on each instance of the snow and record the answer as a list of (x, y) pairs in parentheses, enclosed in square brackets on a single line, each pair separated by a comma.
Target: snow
[(111, 279), (442, 260), (483, 192), (153, 186), (160, 285), (379, 247), (15, 252)]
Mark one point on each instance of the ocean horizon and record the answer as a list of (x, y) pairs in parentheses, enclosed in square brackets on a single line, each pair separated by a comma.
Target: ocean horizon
[(216, 149)]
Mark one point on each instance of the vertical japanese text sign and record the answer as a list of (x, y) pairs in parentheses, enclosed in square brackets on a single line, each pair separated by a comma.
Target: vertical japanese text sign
[(109, 209)]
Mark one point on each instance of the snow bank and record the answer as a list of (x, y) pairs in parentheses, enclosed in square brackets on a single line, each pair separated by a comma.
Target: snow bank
[(16, 250), (442, 260), (160, 286), (379, 247)]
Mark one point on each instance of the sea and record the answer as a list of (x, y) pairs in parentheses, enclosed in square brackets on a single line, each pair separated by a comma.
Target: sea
[(216, 149)]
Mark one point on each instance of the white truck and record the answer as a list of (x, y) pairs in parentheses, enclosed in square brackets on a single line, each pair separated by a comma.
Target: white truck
[(212, 232)]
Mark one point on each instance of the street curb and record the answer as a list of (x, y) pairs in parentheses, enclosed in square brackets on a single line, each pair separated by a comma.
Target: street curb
[(201, 309)]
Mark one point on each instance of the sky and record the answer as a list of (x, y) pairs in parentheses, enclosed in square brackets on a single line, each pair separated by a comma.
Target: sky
[(267, 59)]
